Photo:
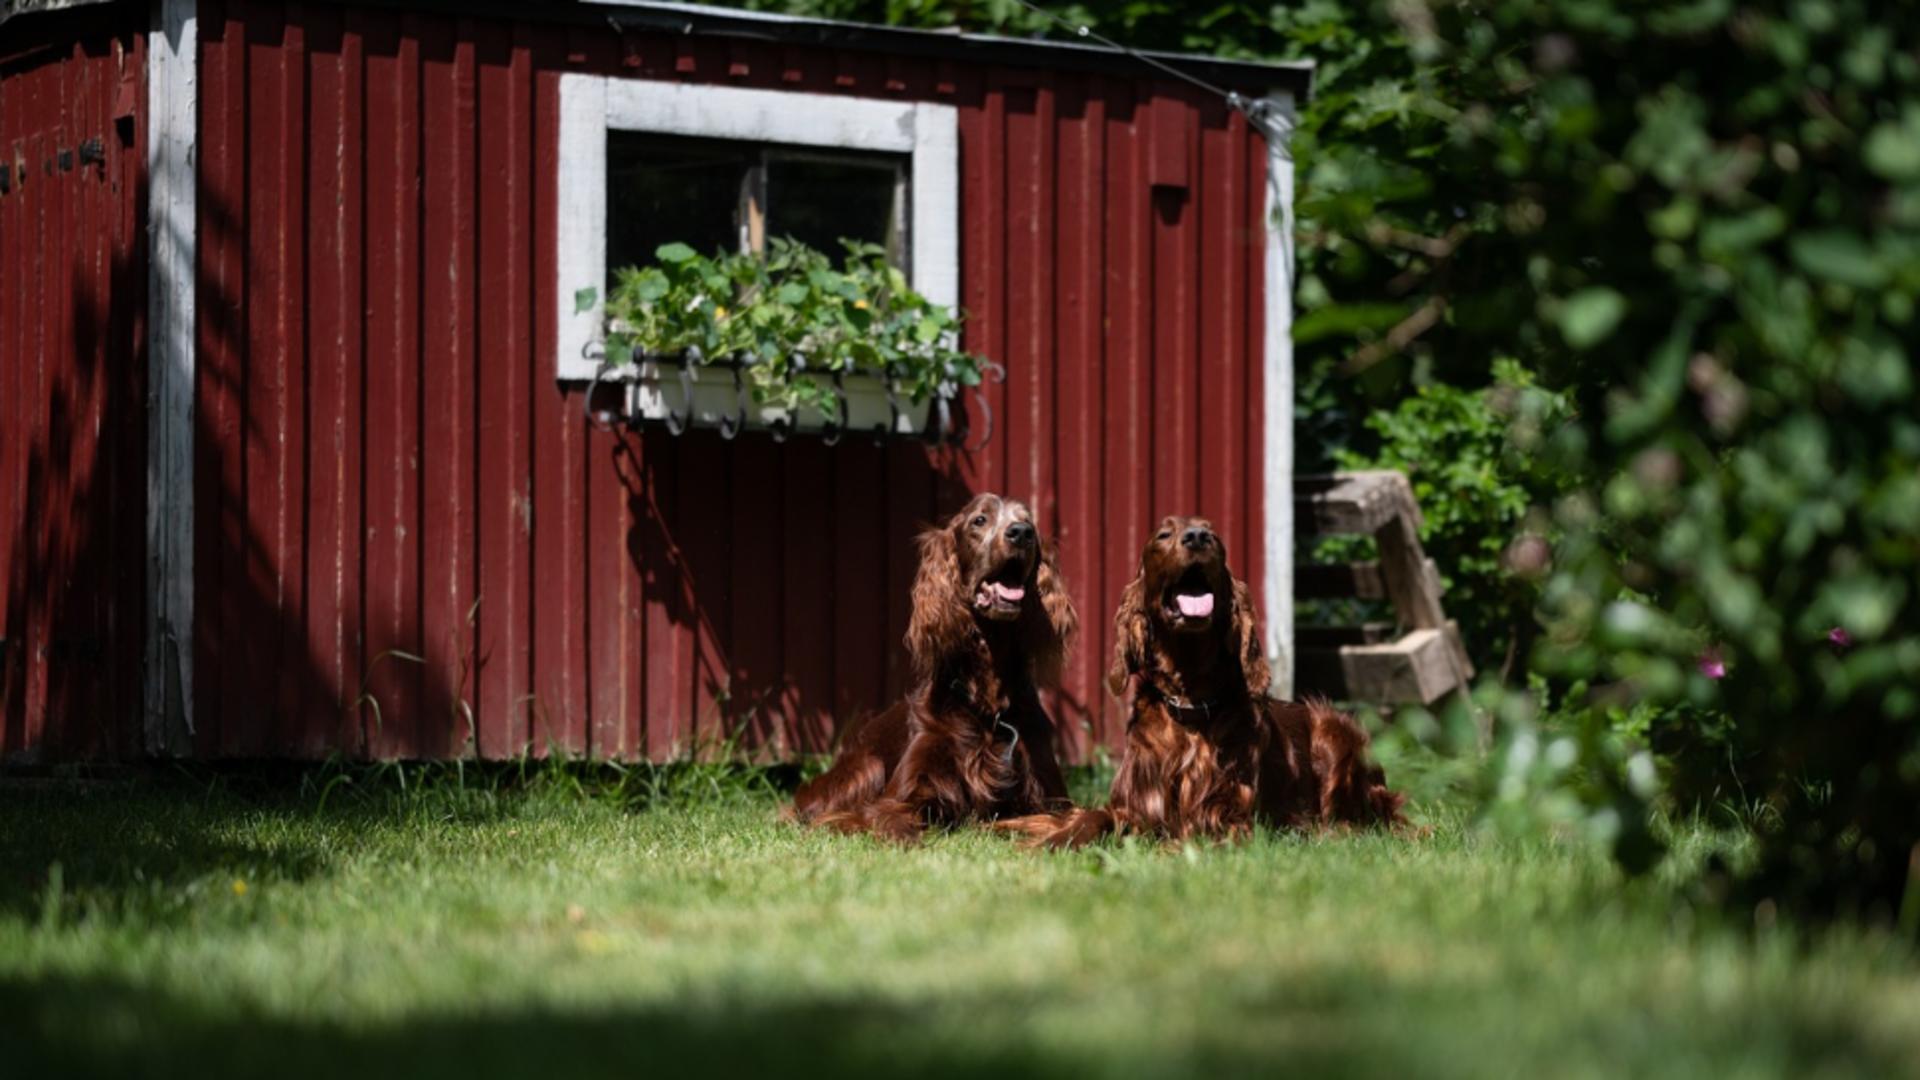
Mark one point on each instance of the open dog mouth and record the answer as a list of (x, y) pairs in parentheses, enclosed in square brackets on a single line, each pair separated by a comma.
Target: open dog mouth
[(1001, 591), (1189, 602)]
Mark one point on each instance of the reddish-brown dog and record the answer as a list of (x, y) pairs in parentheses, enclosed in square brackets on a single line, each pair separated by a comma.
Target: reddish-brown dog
[(991, 625), (1208, 753)]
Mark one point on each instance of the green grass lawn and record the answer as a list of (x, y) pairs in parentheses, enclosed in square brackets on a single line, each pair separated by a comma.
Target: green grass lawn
[(233, 927)]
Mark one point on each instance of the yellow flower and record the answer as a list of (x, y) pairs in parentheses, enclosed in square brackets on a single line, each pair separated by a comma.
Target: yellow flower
[(860, 305), (239, 887), (719, 312)]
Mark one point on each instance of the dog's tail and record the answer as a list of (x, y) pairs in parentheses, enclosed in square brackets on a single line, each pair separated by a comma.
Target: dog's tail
[(1353, 789), (1061, 831)]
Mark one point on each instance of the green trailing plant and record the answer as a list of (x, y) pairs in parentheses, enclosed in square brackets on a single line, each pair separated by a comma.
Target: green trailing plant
[(792, 319)]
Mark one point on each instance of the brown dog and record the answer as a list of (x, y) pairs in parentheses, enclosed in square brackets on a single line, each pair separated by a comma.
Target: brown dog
[(991, 625), (1208, 753)]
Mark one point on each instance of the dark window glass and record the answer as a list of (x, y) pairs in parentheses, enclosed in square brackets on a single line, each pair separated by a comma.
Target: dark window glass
[(661, 190), (817, 201), (719, 196)]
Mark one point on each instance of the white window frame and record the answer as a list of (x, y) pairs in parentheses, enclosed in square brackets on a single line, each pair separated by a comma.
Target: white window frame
[(593, 105)]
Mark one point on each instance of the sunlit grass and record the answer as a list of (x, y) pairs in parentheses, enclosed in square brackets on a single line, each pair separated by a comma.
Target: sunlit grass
[(668, 923)]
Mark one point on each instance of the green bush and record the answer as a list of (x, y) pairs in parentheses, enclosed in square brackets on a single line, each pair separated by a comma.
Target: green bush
[(1708, 230), (1701, 222)]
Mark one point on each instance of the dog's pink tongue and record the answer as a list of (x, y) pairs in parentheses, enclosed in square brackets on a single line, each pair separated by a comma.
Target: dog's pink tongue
[(1012, 594), (1195, 607)]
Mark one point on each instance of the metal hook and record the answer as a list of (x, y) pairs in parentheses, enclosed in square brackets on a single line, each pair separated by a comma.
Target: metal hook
[(593, 388), (997, 374), (731, 426), (677, 420), (937, 431), (893, 407)]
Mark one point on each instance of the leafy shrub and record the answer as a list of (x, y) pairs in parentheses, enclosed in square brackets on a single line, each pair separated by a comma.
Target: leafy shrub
[(1723, 271), (1701, 221), (792, 317)]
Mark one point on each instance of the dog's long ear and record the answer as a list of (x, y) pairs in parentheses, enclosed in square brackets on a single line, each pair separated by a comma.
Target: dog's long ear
[(939, 622), (1052, 625), (1129, 635), (1247, 642)]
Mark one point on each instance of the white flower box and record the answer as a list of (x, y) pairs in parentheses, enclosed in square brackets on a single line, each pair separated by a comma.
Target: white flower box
[(721, 397)]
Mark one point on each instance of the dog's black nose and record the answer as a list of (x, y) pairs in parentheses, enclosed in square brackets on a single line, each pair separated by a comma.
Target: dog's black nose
[(1020, 533), (1195, 539)]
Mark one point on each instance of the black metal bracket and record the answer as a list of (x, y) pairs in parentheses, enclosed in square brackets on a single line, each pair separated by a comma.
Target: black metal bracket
[(998, 374), (93, 151)]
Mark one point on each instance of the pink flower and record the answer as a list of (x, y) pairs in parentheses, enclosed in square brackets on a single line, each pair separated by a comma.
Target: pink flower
[(1840, 639), (1711, 663)]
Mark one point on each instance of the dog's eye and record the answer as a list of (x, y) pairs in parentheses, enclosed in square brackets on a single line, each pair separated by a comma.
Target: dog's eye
[(979, 520), (1164, 533)]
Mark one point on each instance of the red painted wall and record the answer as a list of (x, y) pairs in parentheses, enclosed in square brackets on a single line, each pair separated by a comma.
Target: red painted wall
[(409, 542), (73, 283)]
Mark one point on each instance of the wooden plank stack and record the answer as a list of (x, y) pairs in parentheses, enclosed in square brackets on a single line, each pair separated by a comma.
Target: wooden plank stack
[(1419, 658)]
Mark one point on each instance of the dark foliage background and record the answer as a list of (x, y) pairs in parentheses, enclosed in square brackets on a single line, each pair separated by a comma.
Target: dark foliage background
[(1630, 289)]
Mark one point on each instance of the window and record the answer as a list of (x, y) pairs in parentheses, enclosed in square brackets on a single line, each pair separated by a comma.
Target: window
[(643, 163), (731, 196)]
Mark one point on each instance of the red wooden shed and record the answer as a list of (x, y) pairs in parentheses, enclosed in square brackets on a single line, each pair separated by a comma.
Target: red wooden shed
[(295, 457)]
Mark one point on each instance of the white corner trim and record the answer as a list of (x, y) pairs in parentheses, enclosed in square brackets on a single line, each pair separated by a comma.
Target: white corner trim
[(592, 105), (1278, 403), (172, 109), (582, 231)]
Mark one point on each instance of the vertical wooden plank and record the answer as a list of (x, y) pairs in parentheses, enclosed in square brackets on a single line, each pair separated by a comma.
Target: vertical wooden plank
[(1174, 407), (12, 457), (446, 379), (667, 602), (1253, 198), (1129, 426), (907, 503), (611, 581), (332, 626), (220, 209), (257, 635), (1077, 415), (293, 686), (807, 545), (10, 365), (706, 468), (1222, 348), (120, 506), (393, 647), (24, 154), (860, 639), (50, 406), (1029, 351), (984, 280), (504, 387), (908, 498), (132, 259), (757, 596), (559, 710), (631, 469), (66, 267)]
